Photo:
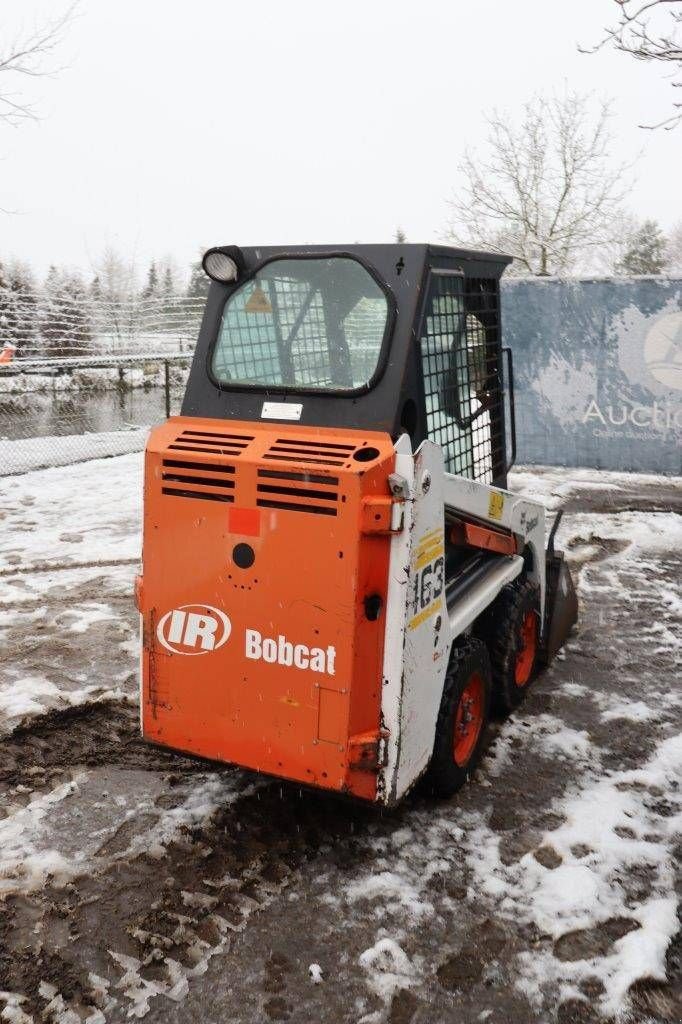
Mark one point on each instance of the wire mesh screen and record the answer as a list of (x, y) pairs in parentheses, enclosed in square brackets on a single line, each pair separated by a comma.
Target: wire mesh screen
[(301, 315), (303, 323), (461, 371)]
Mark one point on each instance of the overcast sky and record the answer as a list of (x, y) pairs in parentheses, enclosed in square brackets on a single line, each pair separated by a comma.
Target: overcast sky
[(177, 124)]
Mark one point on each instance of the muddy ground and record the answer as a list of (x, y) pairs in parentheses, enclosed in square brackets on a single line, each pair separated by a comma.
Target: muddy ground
[(148, 885)]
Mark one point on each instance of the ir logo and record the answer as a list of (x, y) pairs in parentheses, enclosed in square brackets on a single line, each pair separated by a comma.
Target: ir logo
[(197, 626)]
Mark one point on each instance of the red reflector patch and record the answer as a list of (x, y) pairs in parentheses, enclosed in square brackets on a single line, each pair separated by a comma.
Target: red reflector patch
[(245, 521)]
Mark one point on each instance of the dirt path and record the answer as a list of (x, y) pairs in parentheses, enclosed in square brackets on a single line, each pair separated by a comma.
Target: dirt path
[(136, 883)]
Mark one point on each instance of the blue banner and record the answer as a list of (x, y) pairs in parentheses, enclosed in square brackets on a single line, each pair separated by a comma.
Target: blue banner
[(598, 371)]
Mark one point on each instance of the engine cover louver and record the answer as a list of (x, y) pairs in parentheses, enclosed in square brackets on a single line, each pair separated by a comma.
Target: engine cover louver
[(298, 473), (211, 442), (215, 481), (325, 453), (297, 492)]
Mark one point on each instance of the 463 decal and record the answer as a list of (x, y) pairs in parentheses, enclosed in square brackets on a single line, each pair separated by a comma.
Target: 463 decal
[(428, 578)]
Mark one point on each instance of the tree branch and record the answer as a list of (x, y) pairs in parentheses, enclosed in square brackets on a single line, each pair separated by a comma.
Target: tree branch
[(25, 57), (634, 35)]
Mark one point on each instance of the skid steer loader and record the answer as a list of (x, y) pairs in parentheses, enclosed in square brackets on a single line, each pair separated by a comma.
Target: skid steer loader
[(337, 586)]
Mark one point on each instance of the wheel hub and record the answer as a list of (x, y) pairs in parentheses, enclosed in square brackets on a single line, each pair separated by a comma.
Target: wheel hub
[(468, 720), (528, 642)]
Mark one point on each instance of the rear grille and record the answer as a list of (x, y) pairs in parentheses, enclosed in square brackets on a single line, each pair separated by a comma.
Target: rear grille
[(323, 453), (210, 441), (216, 482), (297, 492)]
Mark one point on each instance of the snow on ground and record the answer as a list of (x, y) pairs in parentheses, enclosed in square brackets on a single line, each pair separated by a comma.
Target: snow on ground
[(34, 845), (573, 863), (69, 549), (23, 697), (607, 830), (552, 485), (89, 512)]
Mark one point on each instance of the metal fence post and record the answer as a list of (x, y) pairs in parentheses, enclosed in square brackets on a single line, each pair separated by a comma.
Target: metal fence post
[(166, 374)]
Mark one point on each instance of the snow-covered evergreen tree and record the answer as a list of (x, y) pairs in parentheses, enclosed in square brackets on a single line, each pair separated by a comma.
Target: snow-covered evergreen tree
[(18, 305), (198, 282), (152, 286), (645, 252), (65, 314)]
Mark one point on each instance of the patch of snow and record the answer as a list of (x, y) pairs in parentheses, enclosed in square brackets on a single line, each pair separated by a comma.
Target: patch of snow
[(12, 1012), (640, 953), (575, 689), (201, 803), (21, 698), (640, 532), (631, 710), (88, 512), (24, 697), (23, 865), (315, 972), (568, 743), (80, 618), (570, 480), (393, 890), (388, 968), (547, 734)]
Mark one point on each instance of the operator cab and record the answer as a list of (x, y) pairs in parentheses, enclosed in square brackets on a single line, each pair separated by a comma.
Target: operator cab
[(391, 338)]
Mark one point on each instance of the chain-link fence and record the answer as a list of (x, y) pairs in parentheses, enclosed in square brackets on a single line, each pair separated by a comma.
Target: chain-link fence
[(69, 398)]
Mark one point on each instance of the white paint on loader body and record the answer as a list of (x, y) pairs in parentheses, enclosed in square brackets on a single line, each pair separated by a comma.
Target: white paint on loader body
[(420, 627)]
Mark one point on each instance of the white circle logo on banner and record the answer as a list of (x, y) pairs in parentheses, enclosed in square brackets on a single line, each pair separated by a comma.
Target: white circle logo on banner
[(663, 350)]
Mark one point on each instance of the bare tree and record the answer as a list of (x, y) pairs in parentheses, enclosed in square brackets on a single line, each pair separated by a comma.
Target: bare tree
[(546, 190), (116, 290), (650, 30), (28, 55)]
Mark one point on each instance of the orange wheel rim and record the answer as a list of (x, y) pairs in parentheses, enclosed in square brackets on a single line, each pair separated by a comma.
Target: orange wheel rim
[(468, 720), (525, 656)]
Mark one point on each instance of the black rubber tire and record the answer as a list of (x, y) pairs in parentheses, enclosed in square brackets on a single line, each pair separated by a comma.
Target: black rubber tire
[(501, 628), (444, 776)]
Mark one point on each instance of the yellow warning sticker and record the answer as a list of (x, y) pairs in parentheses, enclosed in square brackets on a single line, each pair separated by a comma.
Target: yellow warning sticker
[(496, 505), (430, 610)]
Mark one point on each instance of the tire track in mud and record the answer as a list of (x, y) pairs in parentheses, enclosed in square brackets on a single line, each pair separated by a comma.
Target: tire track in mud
[(162, 919), (89, 736), (43, 567), (67, 638)]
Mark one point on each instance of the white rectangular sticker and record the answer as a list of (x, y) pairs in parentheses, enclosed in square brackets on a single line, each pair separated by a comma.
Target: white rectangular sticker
[(281, 411)]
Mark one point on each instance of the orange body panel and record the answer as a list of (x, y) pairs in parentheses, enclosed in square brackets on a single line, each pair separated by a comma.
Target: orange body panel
[(262, 543)]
